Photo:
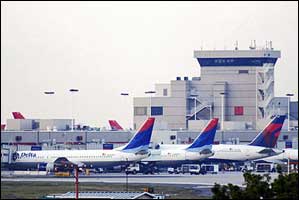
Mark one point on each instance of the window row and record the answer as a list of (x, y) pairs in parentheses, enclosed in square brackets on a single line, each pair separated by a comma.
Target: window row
[(155, 110)]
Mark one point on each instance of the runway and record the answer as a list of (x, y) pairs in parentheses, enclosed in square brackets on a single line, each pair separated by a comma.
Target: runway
[(235, 178)]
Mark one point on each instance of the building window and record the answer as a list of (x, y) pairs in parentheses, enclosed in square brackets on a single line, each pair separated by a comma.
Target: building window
[(285, 137), (239, 110), (164, 92), (172, 137), (18, 138), (243, 72), (157, 110), (140, 111)]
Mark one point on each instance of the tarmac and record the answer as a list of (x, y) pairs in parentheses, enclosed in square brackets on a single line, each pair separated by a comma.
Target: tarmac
[(235, 178)]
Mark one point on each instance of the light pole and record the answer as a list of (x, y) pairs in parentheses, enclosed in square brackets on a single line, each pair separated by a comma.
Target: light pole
[(194, 97), (278, 108), (72, 91), (150, 101), (127, 173), (289, 98), (222, 108), (49, 92), (124, 94), (210, 111)]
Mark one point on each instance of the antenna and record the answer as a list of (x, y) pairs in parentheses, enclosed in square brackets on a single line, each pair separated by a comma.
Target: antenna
[(252, 47), (236, 45), (271, 45)]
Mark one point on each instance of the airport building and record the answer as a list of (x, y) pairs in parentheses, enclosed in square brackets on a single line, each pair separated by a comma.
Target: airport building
[(38, 124), (236, 86), (43, 140)]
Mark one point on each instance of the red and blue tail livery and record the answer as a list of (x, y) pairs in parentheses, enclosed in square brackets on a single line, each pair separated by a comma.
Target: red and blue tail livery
[(17, 115), (206, 137), (115, 126), (142, 137), (268, 137)]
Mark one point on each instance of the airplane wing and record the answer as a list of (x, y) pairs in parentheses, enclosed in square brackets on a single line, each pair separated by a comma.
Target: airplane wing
[(269, 159), (64, 163), (270, 151), (206, 151)]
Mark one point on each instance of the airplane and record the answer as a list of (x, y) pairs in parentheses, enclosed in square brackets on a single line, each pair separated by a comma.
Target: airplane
[(17, 115), (135, 150), (115, 126), (199, 149), (260, 147)]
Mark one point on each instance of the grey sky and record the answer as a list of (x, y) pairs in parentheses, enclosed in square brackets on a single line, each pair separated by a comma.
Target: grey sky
[(105, 48)]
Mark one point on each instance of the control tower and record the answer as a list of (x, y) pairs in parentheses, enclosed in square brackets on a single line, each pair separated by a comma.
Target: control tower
[(237, 85)]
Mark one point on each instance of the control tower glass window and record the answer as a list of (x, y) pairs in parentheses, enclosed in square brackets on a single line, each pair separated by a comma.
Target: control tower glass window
[(243, 71)]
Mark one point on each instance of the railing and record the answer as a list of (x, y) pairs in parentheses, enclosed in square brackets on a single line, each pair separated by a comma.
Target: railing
[(202, 105), (266, 102), (267, 84), (267, 67)]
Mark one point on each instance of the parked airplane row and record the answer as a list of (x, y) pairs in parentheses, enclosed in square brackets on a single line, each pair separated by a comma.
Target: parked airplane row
[(137, 150)]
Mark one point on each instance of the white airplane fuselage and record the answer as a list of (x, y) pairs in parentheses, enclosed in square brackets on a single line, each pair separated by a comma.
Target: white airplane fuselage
[(167, 157), (226, 152), (239, 152), (96, 158)]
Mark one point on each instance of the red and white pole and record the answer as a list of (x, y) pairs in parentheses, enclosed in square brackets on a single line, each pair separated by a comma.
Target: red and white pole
[(77, 182)]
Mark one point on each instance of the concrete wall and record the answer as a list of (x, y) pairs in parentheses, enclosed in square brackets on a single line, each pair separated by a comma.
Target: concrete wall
[(174, 108), (294, 110), (159, 88), (18, 124), (197, 125), (54, 124), (164, 137)]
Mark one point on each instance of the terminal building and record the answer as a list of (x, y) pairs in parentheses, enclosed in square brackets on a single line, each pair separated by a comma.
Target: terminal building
[(38, 124), (236, 86)]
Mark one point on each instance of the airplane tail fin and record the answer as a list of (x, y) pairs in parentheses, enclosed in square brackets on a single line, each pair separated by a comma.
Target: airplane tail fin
[(206, 137), (141, 139), (114, 125), (17, 115), (268, 137)]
